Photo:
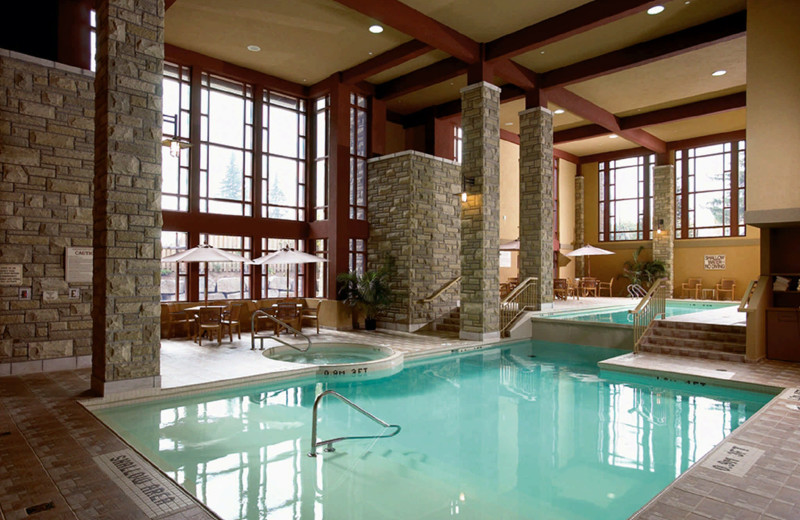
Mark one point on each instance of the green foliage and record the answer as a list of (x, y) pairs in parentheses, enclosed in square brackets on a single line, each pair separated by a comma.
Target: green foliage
[(643, 273), (370, 292)]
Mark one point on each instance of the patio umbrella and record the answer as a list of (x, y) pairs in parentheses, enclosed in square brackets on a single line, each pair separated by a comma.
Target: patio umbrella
[(287, 255), (589, 250), (205, 253)]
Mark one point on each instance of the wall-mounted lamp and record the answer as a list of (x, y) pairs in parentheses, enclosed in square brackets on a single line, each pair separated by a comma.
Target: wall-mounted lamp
[(175, 144), (660, 228), (464, 183)]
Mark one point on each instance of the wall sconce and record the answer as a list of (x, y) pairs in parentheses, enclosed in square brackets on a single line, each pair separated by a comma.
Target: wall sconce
[(175, 144), (660, 228), (464, 183)]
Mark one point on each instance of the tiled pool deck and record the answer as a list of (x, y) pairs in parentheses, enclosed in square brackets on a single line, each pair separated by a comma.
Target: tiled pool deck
[(50, 445)]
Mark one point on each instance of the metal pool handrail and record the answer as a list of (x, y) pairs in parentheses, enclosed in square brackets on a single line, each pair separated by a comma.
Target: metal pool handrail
[(329, 442), (254, 334), (750, 295), (651, 307), (524, 297)]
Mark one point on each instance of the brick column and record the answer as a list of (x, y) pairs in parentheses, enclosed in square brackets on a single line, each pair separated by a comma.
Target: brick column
[(536, 199), (480, 214), (664, 209), (127, 196), (580, 224)]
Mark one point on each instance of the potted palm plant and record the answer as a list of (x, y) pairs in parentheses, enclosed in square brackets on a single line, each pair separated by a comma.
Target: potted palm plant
[(643, 272), (369, 293)]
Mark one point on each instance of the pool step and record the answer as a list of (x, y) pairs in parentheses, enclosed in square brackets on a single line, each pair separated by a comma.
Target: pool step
[(703, 340)]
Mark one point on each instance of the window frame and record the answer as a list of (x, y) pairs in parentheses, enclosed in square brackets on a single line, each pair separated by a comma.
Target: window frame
[(644, 217)]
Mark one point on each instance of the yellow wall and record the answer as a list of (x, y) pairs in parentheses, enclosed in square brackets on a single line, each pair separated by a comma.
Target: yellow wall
[(773, 104), (509, 202), (395, 138), (742, 254), (566, 210)]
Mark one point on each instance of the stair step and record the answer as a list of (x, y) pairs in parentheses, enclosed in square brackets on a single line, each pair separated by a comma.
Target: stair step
[(692, 352), (447, 327), (697, 344), (724, 337), (709, 327)]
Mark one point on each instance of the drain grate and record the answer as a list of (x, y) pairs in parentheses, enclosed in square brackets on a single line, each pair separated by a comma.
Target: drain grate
[(41, 507)]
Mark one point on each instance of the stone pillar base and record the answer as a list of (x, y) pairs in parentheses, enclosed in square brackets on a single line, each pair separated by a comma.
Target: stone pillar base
[(141, 385), (479, 336)]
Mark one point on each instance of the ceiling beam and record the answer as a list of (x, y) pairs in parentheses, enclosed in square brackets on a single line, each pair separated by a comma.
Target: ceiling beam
[(421, 78), (579, 133), (693, 38), (588, 110), (169, 3), (409, 21), (451, 108), (562, 26), (391, 58), (517, 74)]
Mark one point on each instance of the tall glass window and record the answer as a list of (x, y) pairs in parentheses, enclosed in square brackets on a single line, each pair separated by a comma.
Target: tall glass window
[(176, 103), (555, 198), (710, 191), (226, 147), (358, 157), (174, 275), (283, 165), (322, 108), (626, 200), (321, 280), (358, 255), (458, 142), (93, 40), (226, 280), (282, 280)]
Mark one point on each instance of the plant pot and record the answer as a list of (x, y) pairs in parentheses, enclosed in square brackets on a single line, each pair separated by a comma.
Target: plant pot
[(370, 323)]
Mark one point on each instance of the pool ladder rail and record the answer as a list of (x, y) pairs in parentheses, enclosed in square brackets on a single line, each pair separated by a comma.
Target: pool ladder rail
[(254, 335), (329, 443)]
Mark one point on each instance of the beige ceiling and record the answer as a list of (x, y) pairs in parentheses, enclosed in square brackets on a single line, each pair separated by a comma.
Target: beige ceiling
[(305, 41)]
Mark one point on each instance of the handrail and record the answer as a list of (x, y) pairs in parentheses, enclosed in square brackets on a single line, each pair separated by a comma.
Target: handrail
[(438, 293), (524, 297), (329, 442), (744, 306), (288, 327), (650, 307), (636, 291)]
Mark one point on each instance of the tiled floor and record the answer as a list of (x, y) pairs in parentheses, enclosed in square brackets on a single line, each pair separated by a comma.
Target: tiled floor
[(49, 444)]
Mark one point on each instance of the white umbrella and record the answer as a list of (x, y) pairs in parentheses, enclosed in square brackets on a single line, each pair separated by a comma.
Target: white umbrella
[(510, 246), (205, 253), (589, 250), (287, 255)]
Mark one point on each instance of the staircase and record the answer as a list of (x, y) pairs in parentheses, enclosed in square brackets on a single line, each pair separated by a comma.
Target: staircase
[(450, 322), (702, 340)]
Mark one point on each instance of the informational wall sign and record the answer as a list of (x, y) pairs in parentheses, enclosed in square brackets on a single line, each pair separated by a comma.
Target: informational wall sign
[(11, 274), (78, 264), (505, 258), (714, 262)]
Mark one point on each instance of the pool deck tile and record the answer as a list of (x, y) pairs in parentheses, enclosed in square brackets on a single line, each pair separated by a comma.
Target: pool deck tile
[(48, 453)]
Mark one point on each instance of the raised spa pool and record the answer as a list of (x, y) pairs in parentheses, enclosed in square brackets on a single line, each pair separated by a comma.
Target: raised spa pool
[(513, 432)]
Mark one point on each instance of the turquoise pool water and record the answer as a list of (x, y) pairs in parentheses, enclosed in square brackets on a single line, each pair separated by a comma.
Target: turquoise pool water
[(620, 315), (530, 430)]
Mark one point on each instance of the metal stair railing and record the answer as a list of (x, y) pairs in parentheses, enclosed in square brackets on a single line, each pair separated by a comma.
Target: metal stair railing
[(525, 296), (254, 334), (329, 443), (748, 298), (652, 306)]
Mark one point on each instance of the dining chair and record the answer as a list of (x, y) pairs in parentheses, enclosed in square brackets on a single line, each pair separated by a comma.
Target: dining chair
[(560, 288), (726, 286), (605, 286), (178, 319), (589, 286), (231, 317), (209, 319), (288, 313), (692, 288)]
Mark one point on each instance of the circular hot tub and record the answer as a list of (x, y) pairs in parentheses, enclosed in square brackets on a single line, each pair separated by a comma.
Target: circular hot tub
[(342, 360)]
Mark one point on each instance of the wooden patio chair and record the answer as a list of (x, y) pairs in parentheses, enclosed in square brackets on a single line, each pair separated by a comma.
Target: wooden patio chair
[(589, 286), (692, 288), (231, 318), (209, 320), (573, 288), (726, 286), (605, 286), (179, 319), (311, 314), (290, 314), (560, 288)]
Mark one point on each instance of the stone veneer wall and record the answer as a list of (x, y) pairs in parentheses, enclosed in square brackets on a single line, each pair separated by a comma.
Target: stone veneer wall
[(414, 218), (46, 159), (480, 214), (580, 223), (664, 209), (536, 199)]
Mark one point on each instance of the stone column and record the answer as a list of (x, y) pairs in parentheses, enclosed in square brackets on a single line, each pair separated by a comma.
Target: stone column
[(480, 214), (127, 196), (580, 224), (536, 199), (664, 209)]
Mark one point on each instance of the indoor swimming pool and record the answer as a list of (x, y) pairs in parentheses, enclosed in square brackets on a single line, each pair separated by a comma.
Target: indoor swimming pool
[(520, 431), (621, 316)]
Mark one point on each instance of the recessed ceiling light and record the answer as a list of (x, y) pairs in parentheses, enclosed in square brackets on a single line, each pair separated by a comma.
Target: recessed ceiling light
[(558, 111), (509, 124), (656, 9), (719, 72), (253, 48), (541, 52), (613, 136), (376, 29)]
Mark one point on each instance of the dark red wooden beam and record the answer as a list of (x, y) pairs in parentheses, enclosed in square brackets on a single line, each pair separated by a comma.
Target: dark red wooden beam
[(517, 74), (169, 3), (708, 139), (421, 78), (693, 38), (561, 154), (409, 21), (385, 61), (687, 111), (579, 133), (588, 110), (572, 22)]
